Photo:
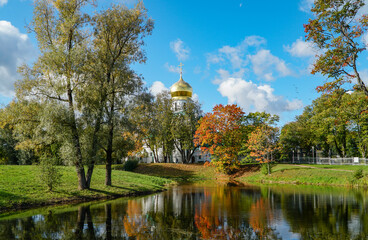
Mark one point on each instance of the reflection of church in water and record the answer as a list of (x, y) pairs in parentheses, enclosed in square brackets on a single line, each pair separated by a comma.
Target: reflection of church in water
[(181, 93)]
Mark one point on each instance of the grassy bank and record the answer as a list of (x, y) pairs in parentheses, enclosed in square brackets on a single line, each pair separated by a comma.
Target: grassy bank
[(181, 173), (20, 186), (329, 175), (336, 175)]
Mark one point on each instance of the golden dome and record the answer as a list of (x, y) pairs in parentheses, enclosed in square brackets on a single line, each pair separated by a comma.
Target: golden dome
[(181, 90)]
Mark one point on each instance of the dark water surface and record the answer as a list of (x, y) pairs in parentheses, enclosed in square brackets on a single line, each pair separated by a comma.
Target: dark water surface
[(204, 212)]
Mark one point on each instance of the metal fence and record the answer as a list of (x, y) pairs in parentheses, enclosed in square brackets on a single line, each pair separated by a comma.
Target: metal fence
[(328, 161)]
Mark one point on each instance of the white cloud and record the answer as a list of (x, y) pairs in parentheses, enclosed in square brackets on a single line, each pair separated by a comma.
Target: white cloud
[(363, 75), (363, 10), (213, 58), (172, 68), (15, 49), (365, 40), (3, 2), (251, 96), (224, 75), (300, 48), (255, 41), (236, 55), (181, 51), (265, 65), (306, 5), (195, 97), (158, 87)]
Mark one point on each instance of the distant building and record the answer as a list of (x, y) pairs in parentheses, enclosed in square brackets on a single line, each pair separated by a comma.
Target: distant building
[(181, 93)]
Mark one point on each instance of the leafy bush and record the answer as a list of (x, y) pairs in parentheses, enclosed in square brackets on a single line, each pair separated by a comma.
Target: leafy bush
[(265, 166), (49, 173), (358, 174), (130, 165)]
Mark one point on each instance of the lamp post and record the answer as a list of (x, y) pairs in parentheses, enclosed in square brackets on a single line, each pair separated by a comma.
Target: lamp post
[(293, 156), (313, 154)]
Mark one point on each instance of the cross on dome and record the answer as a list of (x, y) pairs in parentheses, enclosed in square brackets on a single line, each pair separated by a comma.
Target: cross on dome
[(181, 69)]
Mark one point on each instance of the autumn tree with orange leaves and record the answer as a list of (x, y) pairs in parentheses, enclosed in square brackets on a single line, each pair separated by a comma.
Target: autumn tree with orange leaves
[(336, 31), (262, 144), (221, 133)]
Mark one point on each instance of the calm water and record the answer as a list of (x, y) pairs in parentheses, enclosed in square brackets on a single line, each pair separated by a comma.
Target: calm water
[(204, 212)]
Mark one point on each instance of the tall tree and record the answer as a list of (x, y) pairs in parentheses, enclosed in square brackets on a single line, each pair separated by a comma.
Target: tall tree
[(222, 133), (263, 144), (118, 41), (146, 124), (57, 75), (184, 126), (337, 30), (164, 118)]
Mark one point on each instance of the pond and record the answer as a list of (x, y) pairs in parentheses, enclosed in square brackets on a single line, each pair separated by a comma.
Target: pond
[(203, 212)]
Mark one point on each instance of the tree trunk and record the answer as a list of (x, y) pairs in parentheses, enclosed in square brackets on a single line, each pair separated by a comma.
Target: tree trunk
[(109, 157), (337, 148), (93, 151), (80, 222), (75, 138), (108, 221), (91, 229), (110, 141)]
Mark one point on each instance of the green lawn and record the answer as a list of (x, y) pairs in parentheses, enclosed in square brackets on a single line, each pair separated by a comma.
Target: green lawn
[(20, 186), (344, 167), (310, 174)]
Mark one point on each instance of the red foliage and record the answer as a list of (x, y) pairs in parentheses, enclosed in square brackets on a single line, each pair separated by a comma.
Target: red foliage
[(220, 133)]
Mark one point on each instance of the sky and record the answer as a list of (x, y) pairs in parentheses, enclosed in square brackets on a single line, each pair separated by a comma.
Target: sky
[(248, 52)]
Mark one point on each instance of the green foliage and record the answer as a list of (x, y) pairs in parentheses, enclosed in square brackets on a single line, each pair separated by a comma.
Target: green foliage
[(130, 165), (336, 123), (265, 167), (357, 175), (50, 175), (81, 84), (183, 128), (336, 30)]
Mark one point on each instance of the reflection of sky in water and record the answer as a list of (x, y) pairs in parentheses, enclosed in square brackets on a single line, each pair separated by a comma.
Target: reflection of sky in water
[(204, 213), (283, 229)]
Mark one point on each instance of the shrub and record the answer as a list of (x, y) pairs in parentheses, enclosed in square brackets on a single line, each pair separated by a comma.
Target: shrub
[(49, 173), (264, 168), (130, 165), (358, 174)]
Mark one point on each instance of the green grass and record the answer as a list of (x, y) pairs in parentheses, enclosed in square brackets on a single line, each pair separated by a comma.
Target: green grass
[(20, 186), (343, 167), (309, 174)]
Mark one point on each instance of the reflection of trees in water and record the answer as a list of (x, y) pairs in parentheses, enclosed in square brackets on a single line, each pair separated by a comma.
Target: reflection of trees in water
[(261, 217), (135, 224), (226, 213), (325, 216), (208, 213)]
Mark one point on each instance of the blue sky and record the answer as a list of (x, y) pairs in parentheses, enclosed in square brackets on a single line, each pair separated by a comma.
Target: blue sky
[(247, 52)]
